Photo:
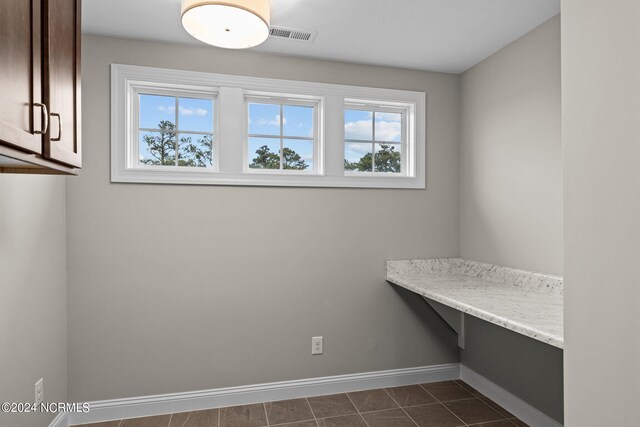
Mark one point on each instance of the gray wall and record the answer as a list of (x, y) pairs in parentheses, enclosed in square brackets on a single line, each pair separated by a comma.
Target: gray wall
[(601, 138), (527, 368), (33, 299), (511, 155), (175, 288), (511, 199)]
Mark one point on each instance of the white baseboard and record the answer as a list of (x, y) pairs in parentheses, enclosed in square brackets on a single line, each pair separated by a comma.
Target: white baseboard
[(61, 420), (107, 410), (508, 401)]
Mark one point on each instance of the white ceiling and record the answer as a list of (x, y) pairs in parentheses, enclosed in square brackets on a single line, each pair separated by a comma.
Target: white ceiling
[(438, 35)]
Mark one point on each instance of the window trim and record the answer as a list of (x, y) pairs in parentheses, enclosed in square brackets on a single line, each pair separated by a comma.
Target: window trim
[(230, 134)]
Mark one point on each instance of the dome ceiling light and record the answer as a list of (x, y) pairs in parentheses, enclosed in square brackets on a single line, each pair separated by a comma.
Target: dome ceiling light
[(235, 24)]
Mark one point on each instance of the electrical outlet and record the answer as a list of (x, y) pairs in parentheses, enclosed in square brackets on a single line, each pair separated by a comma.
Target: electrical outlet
[(40, 391), (316, 345)]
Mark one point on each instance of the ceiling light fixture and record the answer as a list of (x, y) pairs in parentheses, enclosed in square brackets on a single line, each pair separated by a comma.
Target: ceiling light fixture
[(233, 24)]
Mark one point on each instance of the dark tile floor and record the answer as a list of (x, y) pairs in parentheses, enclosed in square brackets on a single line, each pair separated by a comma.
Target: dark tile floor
[(443, 404)]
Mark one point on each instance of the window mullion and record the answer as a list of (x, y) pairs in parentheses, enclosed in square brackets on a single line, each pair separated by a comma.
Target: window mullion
[(175, 141), (404, 146), (281, 137), (373, 144)]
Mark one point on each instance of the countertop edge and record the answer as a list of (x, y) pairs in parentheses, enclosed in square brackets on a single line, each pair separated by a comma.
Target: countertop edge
[(546, 338)]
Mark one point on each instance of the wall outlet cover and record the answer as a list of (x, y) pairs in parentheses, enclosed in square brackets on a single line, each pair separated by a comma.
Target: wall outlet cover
[(316, 345), (39, 391)]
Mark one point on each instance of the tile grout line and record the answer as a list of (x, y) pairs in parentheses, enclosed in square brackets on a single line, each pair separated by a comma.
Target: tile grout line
[(357, 410), (174, 413), (266, 417), (429, 393), (504, 417), (481, 397), (312, 413), (485, 422), (487, 405), (457, 400), (188, 416), (291, 423), (468, 388), (399, 406), (510, 418), (362, 418), (377, 410), (445, 406), (454, 414), (437, 402), (342, 416)]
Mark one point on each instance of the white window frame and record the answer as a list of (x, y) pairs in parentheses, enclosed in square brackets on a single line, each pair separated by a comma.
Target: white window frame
[(231, 127), (276, 99), (177, 91), (407, 138)]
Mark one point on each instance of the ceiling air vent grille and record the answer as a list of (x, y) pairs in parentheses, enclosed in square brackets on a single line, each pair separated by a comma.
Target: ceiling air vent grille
[(292, 34)]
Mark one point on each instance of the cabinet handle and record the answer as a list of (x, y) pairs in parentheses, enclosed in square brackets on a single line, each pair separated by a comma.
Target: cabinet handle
[(59, 127), (45, 116)]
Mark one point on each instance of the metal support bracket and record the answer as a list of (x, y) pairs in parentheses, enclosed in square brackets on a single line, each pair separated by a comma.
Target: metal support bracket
[(453, 317)]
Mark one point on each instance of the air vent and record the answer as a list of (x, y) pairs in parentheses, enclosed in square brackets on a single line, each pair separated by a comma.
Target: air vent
[(305, 36)]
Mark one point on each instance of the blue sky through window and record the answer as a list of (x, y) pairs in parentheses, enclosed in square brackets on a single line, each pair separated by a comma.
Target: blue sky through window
[(354, 151), (298, 121), (358, 125), (388, 127), (155, 108), (196, 115), (264, 119)]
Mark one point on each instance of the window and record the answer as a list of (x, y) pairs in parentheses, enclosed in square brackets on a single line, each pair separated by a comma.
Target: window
[(375, 139), (174, 129), (281, 135), (182, 127)]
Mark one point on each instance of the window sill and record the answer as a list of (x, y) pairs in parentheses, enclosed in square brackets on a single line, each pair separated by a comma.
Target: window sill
[(197, 177)]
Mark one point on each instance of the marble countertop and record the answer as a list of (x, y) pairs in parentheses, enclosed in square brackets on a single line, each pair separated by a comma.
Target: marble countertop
[(524, 302)]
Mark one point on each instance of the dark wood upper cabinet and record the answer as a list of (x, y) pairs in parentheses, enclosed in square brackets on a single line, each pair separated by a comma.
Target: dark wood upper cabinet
[(22, 117), (40, 86), (61, 64)]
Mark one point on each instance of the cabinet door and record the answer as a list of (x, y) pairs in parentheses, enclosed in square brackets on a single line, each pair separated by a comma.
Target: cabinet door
[(61, 63), (22, 117)]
